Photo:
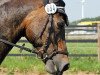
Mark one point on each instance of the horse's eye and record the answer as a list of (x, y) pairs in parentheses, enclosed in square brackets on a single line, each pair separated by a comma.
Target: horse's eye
[(61, 24)]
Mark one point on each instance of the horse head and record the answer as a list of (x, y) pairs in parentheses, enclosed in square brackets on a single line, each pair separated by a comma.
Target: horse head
[(46, 32)]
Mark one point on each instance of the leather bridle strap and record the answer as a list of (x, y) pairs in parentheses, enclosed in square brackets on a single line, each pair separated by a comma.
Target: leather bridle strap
[(47, 57), (50, 36), (53, 35)]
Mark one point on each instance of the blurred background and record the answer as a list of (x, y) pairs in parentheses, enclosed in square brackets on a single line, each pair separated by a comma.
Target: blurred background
[(74, 9)]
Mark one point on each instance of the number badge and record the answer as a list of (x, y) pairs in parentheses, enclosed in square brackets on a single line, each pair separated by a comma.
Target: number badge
[(51, 8)]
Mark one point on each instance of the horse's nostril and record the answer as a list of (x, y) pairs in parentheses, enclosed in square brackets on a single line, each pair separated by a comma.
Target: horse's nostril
[(66, 67)]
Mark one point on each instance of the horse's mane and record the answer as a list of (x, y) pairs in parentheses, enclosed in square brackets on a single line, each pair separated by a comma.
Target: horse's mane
[(3, 2)]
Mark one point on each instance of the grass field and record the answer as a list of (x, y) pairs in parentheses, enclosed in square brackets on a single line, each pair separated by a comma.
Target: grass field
[(25, 64), (89, 64)]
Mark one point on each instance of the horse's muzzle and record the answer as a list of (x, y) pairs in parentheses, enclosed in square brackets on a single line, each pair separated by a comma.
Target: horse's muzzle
[(63, 66), (50, 67), (59, 63)]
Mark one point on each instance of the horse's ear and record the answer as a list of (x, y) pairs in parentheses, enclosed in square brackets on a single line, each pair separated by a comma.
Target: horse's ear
[(66, 20), (65, 17)]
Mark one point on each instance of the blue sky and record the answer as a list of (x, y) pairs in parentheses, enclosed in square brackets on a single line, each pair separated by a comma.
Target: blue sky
[(73, 9)]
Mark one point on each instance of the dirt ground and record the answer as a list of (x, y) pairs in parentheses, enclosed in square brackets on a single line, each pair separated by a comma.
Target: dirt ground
[(80, 73), (33, 73), (3, 71)]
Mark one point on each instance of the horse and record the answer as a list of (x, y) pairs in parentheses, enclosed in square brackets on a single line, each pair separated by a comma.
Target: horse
[(45, 32)]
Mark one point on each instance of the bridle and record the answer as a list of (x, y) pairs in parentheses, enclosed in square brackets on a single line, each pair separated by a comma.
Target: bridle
[(45, 56), (51, 32)]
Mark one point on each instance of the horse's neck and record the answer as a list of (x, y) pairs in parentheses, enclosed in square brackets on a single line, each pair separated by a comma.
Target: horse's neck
[(17, 9), (12, 13), (21, 2)]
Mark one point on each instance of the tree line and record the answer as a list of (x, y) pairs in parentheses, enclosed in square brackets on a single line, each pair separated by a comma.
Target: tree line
[(85, 19)]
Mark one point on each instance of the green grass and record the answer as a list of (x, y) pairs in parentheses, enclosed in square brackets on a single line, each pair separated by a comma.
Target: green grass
[(89, 64), (82, 48), (24, 64)]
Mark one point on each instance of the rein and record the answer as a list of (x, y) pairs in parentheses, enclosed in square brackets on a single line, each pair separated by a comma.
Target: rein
[(18, 46)]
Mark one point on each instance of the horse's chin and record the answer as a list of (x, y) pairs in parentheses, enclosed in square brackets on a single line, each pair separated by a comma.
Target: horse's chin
[(50, 67)]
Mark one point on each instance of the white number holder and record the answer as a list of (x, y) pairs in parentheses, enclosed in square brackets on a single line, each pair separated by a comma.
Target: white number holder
[(51, 8)]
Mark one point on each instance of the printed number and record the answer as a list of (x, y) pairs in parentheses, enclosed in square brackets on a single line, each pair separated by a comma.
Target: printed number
[(51, 8)]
